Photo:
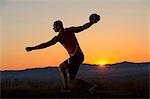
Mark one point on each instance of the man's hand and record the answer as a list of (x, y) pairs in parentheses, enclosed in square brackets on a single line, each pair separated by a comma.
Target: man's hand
[(29, 49)]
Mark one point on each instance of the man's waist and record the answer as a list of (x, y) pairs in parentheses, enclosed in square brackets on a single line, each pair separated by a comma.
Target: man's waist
[(76, 53)]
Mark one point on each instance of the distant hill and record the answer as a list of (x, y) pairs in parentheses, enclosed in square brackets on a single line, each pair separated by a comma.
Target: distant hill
[(119, 63), (85, 69), (125, 79), (128, 64)]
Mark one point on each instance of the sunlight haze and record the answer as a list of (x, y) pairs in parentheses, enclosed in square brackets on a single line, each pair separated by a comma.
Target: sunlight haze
[(120, 35)]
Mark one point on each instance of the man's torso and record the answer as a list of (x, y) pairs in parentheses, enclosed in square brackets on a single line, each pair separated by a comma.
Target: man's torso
[(68, 39)]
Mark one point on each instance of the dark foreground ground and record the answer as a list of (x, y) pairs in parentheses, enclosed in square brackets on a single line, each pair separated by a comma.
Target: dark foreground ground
[(123, 80)]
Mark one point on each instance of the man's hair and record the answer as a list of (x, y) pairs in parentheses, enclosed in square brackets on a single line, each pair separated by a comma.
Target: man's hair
[(56, 23)]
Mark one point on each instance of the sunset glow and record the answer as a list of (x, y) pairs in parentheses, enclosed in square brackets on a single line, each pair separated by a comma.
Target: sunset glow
[(102, 62), (120, 35)]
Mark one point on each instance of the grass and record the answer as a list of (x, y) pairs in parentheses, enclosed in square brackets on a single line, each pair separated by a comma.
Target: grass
[(107, 88)]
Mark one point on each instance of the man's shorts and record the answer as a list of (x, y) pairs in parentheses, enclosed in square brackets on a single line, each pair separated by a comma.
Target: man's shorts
[(74, 62)]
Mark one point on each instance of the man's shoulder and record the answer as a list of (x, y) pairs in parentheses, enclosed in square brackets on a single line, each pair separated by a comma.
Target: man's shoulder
[(69, 29)]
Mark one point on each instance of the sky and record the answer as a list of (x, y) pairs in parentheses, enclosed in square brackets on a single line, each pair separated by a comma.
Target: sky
[(122, 34)]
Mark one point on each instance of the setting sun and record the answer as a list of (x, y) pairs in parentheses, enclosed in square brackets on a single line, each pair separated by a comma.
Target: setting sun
[(102, 62)]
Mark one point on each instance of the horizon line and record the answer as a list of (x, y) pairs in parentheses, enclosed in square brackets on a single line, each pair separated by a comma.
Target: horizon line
[(81, 64)]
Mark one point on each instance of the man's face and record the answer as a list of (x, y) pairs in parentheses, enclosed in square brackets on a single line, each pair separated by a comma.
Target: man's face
[(56, 28)]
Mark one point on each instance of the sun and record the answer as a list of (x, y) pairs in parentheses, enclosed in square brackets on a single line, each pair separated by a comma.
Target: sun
[(102, 62)]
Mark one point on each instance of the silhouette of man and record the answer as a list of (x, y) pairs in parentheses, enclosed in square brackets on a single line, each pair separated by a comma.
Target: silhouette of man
[(67, 38)]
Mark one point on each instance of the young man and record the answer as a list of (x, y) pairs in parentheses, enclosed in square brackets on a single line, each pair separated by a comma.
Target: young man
[(68, 39)]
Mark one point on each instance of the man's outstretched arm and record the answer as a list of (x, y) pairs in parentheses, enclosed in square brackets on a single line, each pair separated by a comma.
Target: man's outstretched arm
[(81, 28), (43, 45)]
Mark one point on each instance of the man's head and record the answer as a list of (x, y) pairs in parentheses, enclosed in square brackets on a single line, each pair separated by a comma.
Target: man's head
[(57, 26)]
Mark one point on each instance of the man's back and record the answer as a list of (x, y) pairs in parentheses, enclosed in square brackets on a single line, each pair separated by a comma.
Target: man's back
[(68, 39)]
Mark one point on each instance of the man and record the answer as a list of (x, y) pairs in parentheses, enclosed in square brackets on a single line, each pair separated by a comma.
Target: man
[(68, 39)]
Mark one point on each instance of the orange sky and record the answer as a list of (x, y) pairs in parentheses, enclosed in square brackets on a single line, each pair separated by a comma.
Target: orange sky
[(121, 34)]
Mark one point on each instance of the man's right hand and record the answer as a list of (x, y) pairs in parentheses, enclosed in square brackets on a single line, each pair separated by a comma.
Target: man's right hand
[(29, 49)]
